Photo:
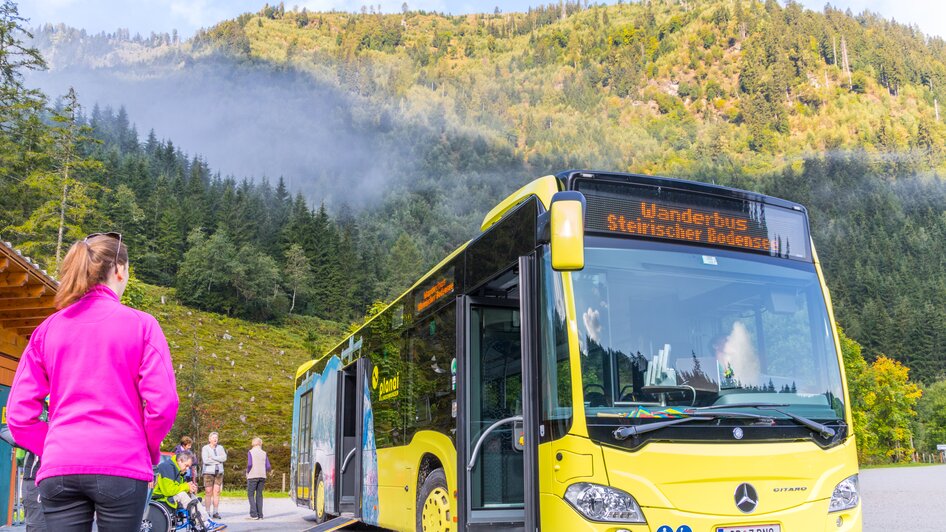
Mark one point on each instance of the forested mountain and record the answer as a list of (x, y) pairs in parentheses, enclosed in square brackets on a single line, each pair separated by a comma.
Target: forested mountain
[(741, 84), (412, 125), (386, 137)]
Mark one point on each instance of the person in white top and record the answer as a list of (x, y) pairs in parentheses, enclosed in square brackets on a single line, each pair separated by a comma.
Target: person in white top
[(257, 468), (213, 456)]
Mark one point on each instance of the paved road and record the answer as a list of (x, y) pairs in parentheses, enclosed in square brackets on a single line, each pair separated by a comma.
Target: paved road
[(908, 498), (281, 514)]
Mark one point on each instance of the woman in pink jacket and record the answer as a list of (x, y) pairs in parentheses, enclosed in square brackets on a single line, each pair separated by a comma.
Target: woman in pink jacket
[(112, 397)]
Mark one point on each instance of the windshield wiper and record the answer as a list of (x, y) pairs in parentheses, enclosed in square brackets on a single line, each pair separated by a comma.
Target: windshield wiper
[(825, 431), (624, 433)]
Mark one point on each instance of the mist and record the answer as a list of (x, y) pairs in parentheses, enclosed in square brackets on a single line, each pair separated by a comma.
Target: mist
[(247, 120)]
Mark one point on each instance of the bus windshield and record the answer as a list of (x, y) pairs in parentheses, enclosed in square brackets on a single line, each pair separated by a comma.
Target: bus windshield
[(664, 328)]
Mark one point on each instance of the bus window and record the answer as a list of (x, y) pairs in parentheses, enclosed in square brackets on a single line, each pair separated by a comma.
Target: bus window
[(429, 385), (674, 327), (556, 383), (388, 363)]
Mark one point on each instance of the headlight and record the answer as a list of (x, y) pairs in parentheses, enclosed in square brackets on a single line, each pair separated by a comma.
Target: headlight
[(604, 503), (845, 495)]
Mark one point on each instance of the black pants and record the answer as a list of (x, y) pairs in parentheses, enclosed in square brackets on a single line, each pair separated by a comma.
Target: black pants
[(71, 502), (35, 522), (254, 491)]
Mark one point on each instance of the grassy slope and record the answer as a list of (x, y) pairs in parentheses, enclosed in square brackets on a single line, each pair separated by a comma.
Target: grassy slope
[(236, 377)]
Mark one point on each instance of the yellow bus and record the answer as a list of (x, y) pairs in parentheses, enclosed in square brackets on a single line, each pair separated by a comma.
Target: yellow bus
[(612, 352)]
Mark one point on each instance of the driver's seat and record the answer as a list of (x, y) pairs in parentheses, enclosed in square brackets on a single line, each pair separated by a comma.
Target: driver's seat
[(596, 399)]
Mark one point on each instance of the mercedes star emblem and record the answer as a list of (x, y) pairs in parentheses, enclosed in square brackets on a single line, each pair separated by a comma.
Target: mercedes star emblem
[(737, 433), (746, 498)]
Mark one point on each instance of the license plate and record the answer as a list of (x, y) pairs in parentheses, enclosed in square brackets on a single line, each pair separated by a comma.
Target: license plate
[(750, 528)]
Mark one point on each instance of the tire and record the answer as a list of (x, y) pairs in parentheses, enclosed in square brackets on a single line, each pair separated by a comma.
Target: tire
[(193, 517), (157, 519), (318, 499), (433, 504)]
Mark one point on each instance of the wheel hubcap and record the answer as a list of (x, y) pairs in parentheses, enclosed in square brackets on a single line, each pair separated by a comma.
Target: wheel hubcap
[(436, 512), (320, 499)]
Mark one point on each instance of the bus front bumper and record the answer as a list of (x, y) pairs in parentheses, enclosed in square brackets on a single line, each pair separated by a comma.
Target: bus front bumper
[(559, 515)]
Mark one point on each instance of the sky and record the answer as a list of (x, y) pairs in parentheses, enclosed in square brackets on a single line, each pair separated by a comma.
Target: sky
[(187, 16)]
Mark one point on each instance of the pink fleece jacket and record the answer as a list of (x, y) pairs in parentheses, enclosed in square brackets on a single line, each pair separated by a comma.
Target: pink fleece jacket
[(112, 396)]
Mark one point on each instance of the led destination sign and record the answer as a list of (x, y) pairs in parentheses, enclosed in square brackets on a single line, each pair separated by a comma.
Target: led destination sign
[(434, 291), (672, 214), (654, 219)]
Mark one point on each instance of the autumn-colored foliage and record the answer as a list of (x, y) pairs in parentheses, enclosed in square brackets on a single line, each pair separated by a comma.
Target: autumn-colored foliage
[(883, 403)]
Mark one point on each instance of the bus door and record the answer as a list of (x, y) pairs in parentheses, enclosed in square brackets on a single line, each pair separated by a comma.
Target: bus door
[(497, 452), (349, 436), (303, 471)]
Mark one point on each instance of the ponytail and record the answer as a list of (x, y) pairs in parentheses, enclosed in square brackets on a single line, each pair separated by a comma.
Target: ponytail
[(87, 264)]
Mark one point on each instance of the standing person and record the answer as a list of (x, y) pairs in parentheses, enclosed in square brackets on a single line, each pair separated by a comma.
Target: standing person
[(32, 507), (107, 371), (257, 468), (186, 443), (213, 456)]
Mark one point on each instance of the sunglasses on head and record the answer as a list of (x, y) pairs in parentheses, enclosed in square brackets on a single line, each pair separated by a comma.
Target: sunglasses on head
[(116, 236)]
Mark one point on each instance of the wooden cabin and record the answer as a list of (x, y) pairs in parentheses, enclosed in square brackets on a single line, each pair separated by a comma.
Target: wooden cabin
[(26, 299)]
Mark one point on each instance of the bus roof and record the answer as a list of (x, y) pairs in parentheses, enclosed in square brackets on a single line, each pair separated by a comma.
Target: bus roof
[(543, 188), (569, 177)]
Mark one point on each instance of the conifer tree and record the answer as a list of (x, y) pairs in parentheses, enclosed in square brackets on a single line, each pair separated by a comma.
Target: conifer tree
[(68, 203), (298, 273), (16, 55), (404, 265)]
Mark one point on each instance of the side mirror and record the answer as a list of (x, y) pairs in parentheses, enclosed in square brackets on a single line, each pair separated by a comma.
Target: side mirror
[(567, 234)]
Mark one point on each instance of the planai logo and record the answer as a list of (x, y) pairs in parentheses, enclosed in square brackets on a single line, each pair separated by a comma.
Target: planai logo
[(374, 378), (387, 388)]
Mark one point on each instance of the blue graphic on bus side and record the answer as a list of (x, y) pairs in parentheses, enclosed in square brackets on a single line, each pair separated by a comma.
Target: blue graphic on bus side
[(684, 528), (665, 528), (369, 459), (324, 422)]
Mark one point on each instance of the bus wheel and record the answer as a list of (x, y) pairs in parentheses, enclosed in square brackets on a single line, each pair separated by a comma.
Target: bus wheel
[(433, 504), (320, 499)]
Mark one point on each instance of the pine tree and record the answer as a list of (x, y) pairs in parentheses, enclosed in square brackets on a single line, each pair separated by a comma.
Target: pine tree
[(16, 55), (327, 272), (298, 273), (404, 266), (126, 217), (69, 204)]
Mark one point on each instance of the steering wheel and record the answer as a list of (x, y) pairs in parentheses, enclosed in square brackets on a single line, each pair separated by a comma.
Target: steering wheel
[(629, 396), (595, 398)]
